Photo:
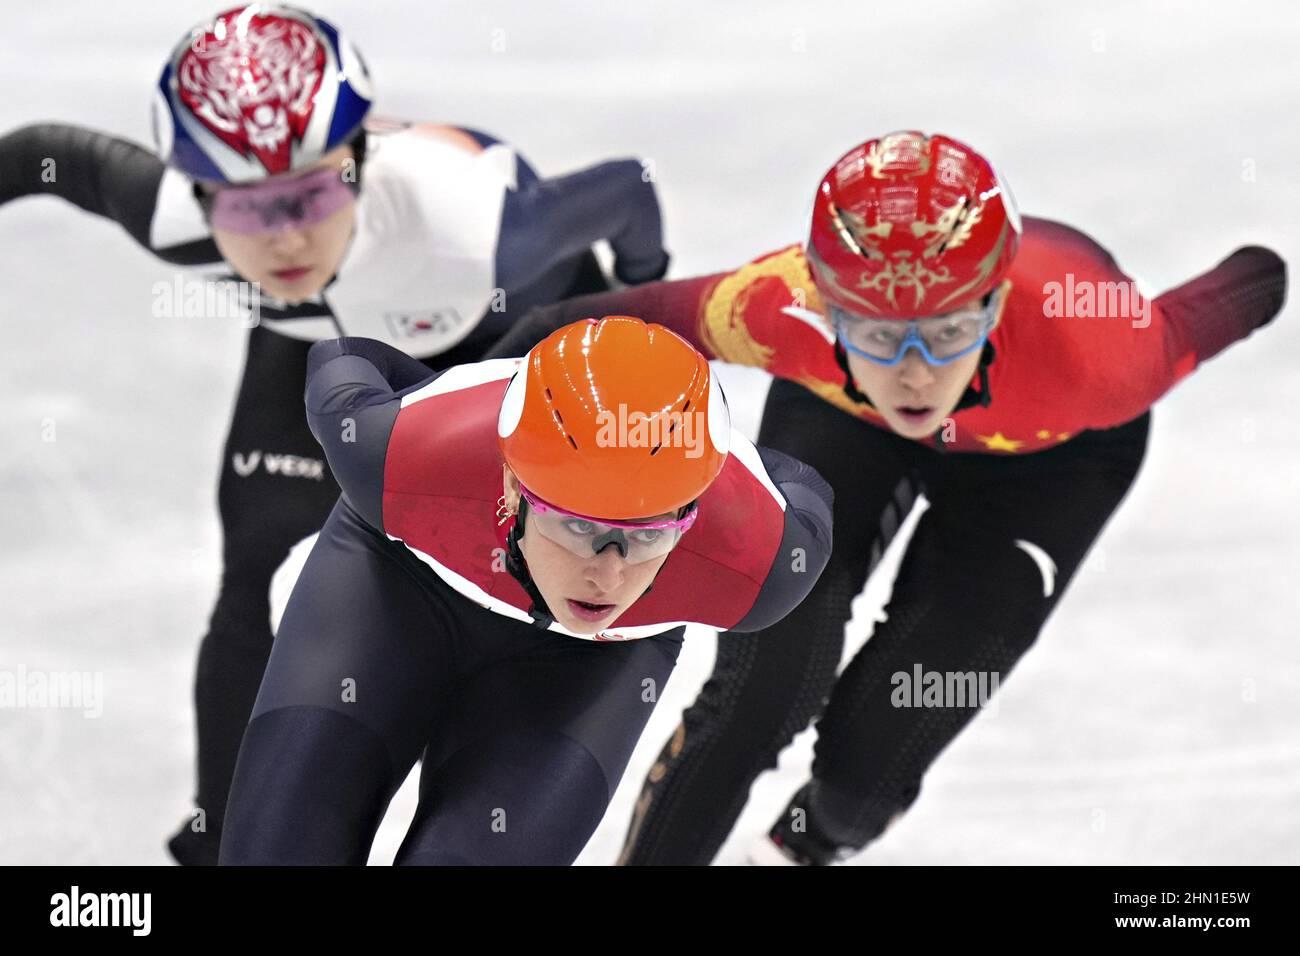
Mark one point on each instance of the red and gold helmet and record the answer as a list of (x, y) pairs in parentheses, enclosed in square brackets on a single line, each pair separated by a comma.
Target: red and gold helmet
[(910, 226), (615, 418)]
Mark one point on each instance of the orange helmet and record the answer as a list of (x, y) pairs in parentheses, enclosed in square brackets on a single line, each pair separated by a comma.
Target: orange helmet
[(615, 418)]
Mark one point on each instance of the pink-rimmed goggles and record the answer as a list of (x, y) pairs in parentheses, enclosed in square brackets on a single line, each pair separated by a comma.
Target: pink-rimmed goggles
[(293, 203), (636, 541)]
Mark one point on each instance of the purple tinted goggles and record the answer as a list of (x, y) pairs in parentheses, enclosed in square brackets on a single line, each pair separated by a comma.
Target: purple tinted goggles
[(279, 203)]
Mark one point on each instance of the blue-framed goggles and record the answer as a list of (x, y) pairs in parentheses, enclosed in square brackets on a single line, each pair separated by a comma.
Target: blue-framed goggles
[(940, 339)]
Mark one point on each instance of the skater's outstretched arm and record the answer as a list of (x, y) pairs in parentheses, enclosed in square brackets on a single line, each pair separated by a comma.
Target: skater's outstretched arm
[(764, 314), (548, 221), (101, 174), (1187, 326), (672, 304), (1242, 293)]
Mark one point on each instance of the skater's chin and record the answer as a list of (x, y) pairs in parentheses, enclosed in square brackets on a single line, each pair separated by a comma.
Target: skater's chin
[(293, 286)]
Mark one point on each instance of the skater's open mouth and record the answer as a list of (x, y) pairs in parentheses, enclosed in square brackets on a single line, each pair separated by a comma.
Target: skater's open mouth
[(915, 412), (588, 611), (292, 275)]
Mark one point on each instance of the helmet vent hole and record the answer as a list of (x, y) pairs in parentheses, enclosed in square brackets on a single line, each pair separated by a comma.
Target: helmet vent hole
[(687, 407), (655, 450), (559, 419), (573, 443)]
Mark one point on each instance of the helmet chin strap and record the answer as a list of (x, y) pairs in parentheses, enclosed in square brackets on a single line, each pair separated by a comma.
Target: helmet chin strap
[(358, 144), (987, 355), (518, 568), (517, 565)]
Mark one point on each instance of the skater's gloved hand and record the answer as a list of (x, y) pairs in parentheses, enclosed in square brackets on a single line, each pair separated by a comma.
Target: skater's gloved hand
[(636, 272), (1206, 314)]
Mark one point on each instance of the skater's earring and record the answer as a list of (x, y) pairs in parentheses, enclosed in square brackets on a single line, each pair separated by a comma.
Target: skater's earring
[(504, 513)]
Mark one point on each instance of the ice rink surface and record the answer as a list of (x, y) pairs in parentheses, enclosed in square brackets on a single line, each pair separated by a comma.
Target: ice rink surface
[(1157, 720)]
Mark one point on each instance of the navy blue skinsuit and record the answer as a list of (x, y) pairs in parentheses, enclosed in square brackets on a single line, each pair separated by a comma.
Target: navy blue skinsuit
[(524, 732)]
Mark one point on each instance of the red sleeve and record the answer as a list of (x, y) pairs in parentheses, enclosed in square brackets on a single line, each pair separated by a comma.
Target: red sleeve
[(767, 314), (1204, 316), (675, 305), (1107, 350), (1190, 324)]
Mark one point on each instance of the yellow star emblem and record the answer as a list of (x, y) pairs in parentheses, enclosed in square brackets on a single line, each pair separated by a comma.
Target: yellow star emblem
[(1062, 436), (999, 442), (1043, 434)]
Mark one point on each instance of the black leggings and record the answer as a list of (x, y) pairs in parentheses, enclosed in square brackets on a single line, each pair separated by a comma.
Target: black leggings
[(967, 598), (276, 489), (524, 732)]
